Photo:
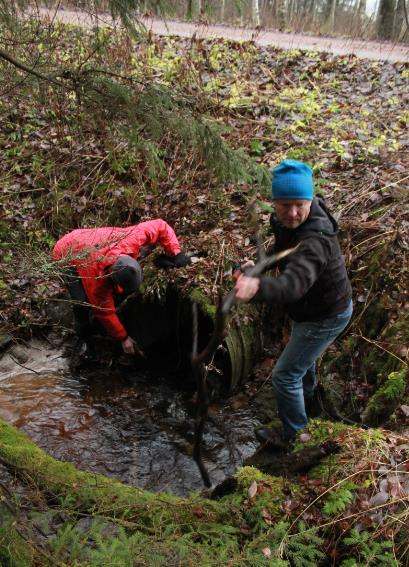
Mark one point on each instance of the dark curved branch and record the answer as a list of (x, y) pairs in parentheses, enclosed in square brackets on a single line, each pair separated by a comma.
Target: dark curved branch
[(200, 360), (230, 300)]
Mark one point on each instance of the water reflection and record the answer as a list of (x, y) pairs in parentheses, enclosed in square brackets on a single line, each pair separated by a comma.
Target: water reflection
[(135, 426)]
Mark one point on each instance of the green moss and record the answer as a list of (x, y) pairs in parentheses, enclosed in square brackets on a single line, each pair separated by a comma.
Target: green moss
[(14, 550), (245, 476), (321, 431), (128, 525), (204, 304), (266, 503), (78, 490), (386, 398)]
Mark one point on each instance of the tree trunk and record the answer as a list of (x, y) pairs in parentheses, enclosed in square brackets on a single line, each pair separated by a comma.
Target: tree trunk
[(312, 10), (385, 19), (222, 10), (360, 10), (288, 14), (331, 18), (280, 13), (399, 24), (194, 9), (255, 13)]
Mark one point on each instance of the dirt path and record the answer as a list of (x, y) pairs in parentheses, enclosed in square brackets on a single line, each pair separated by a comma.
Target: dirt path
[(382, 51)]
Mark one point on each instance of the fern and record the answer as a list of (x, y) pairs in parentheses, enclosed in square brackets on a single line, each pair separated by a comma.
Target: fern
[(303, 548), (368, 551), (338, 500)]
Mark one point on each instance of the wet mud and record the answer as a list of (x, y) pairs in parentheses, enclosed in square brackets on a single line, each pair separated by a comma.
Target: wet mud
[(132, 424)]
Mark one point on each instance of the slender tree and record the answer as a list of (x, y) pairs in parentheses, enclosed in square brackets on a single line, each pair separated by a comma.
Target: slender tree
[(222, 10), (399, 23), (194, 9), (331, 18), (385, 19), (255, 13)]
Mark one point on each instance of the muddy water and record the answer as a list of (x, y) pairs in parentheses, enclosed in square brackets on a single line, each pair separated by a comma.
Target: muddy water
[(133, 425)]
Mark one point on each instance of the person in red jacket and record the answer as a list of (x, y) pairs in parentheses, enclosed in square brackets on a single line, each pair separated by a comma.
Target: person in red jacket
[(101, 264)]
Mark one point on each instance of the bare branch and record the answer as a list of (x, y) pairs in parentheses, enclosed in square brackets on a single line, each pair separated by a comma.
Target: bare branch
[(199, 360), (7, 57)]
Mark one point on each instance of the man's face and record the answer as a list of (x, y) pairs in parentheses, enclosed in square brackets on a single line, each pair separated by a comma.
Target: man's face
[(292, 212)]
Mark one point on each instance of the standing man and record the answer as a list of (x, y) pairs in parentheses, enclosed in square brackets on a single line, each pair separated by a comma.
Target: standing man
[(313, 286), (101, 266)]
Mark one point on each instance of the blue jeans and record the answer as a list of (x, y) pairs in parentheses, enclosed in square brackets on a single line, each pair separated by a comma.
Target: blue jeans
[(294, 377)]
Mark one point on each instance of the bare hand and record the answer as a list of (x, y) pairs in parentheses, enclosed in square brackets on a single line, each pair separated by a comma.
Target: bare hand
[(238, 273), (128, 345), (246, 288)]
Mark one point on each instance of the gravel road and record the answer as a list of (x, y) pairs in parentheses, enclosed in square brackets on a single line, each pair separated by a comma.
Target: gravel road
[(375, 50)]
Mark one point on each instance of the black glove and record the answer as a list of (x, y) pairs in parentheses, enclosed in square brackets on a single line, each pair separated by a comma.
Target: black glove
[(178, 261)]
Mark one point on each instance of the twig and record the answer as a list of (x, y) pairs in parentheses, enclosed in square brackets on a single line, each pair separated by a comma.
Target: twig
[(7, 57), (371, 238), (25, 367), (221, 258), (202, 406), (360, 335)]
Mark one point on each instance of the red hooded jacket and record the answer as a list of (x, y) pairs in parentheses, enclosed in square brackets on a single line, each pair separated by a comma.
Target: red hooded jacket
[(92, 251)]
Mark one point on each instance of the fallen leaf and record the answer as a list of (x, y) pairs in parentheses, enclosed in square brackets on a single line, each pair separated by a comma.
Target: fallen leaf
[(267, 362), (405, 410), (198, 512), (245, 529), (379, 498), (290, 505), (252, 491), (265, 514), (304, 437)]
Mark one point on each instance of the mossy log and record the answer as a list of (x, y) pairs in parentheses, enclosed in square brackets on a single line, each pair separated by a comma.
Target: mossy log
[(386, 398), (65, 517), (154, 529)]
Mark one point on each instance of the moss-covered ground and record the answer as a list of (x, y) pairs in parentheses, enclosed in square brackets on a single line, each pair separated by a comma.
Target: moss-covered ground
[(53, 514)]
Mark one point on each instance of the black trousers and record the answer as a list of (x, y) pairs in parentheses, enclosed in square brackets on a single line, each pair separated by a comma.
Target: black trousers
[(81, 308)]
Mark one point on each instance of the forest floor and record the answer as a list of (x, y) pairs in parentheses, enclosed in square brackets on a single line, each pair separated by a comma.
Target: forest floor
[(374, 50)]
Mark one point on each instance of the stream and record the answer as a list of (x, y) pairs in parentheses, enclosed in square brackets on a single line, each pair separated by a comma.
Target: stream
[(135, 425)]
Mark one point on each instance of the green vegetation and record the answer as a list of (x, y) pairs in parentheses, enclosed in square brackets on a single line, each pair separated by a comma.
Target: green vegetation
[(387, 397), (93, 521)]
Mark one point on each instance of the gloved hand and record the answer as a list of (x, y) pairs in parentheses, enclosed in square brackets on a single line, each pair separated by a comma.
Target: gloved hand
[(178, 261)]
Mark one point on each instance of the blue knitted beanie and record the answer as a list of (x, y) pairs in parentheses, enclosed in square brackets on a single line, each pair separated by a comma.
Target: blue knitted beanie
[(292, 179)]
